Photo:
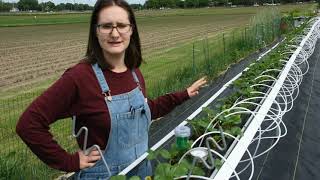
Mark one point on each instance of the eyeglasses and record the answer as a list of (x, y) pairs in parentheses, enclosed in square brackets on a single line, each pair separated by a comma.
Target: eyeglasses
[(107, 28)]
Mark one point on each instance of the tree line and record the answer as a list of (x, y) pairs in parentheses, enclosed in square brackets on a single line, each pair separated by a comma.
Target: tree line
[(156, 4), (27, 5), (34, 5)]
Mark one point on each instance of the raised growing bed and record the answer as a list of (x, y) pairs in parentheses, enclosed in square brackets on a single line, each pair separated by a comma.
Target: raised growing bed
[(225, 144), (227, 136), (282, 89)]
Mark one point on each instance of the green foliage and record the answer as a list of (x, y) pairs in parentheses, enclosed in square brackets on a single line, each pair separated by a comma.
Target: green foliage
[(15, 166), (8, 166), (286, 24), (165, 154), (47, 6), (118, 177), (171, 168), (231, 120), (135, 178), (123, 177), (217, 163), (153, 155), (166, 171), (26, 5), (5, 6), (155, 4), (199, 125)]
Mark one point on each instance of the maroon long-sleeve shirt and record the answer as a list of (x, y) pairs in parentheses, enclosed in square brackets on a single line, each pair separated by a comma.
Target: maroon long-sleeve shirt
[(78, 93)]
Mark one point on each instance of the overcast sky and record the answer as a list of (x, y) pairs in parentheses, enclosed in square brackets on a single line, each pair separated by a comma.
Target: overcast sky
[(91, 2)]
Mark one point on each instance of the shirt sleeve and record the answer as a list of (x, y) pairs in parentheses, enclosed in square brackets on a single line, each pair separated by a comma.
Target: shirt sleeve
[(163, 104), (166, 103), (33, 125)]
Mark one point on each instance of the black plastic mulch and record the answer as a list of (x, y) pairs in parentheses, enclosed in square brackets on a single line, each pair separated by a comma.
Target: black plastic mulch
[(297, 155)]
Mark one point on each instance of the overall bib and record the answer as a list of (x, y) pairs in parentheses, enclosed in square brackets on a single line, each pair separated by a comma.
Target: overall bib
[(128, 138)]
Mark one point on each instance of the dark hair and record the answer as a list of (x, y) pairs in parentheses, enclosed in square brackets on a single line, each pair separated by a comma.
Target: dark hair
[(133, 57)]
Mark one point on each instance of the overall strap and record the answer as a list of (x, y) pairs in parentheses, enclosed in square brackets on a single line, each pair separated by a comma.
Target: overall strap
[(135, 77), (102, 81)]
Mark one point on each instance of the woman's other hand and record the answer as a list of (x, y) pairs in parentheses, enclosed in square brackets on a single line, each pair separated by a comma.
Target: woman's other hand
[(194, 88), (88, 160)]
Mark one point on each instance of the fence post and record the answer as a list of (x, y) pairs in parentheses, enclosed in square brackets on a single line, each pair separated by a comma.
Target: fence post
[(256, 35), (193, 60), (277, 26), (242, 39), (272, 27), (205, 51), (224, 48), (262, 31), (233, 38), (208, 52), (245, 36)]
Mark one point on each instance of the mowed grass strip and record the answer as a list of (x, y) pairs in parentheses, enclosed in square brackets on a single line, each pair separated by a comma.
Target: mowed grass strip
[(42, 19)]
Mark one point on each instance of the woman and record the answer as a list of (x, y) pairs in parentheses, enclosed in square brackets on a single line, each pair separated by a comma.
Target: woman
[(106, 92)]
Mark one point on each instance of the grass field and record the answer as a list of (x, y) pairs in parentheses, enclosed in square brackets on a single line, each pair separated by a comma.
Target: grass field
[(32, 57), (63, 18), (43, 19), (31, 54)]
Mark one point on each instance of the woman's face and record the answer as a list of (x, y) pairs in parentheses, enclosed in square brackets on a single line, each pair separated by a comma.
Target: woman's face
[(114, 30)]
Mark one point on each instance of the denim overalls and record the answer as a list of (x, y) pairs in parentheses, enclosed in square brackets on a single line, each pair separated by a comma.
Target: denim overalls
[(128, 138)]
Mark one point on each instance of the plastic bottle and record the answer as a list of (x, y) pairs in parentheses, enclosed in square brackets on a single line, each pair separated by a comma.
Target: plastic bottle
[(182, 134)]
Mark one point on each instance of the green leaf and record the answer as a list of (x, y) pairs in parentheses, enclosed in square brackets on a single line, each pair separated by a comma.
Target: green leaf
[(217, 163), (164, 170), (158, 177), (135, 178), (203, 124), (152, 154), (174, 151), (165, 154), (198, 171), (236, 119), (118, 177), (186, 164), (190, 142), (232, 120), (180, 170), (236, 131), (224, 107), (210, 113)]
